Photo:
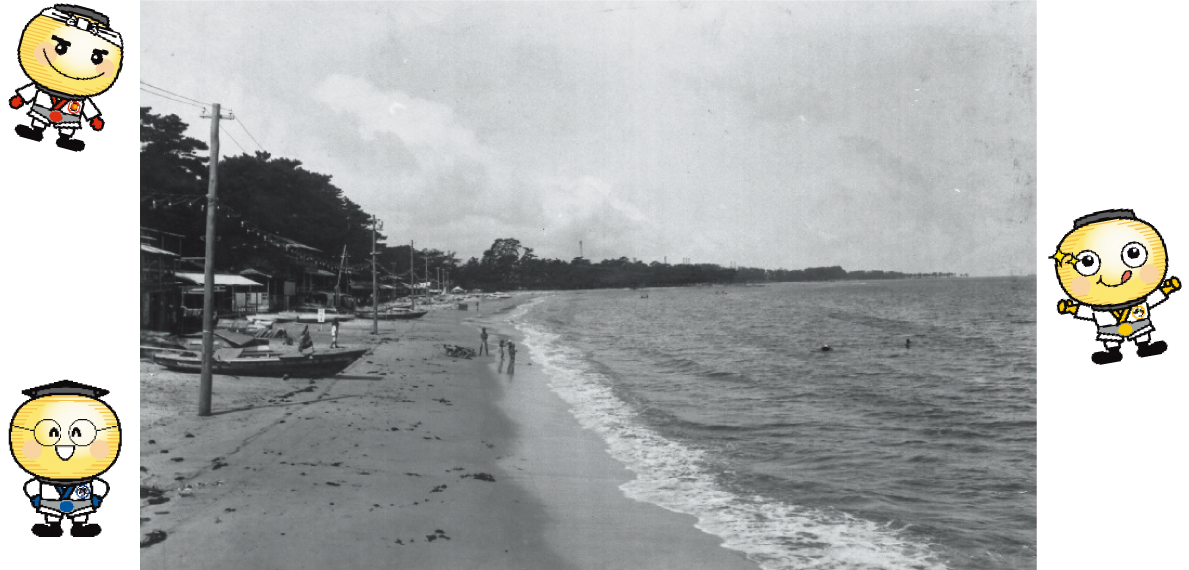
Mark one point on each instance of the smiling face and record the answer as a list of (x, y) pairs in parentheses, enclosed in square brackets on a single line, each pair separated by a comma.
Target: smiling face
[(1117, 262), (64, 438), (68, 60)]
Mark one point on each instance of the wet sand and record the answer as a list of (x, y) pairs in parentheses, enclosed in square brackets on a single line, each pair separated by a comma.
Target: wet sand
[(407, 459)]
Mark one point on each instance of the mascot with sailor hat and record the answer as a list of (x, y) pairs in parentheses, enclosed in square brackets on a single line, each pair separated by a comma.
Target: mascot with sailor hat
[(71, 54), (65, 437), (1113, 267)]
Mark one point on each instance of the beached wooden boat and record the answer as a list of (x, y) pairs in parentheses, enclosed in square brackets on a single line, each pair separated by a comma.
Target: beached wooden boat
[(263, 361), (394, 313), (310, 315)]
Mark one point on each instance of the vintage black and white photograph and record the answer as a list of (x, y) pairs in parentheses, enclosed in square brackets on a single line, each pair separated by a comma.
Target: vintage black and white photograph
[(552, 285)]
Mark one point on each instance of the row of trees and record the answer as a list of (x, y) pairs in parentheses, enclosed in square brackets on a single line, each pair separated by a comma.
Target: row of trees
[(510, 265), (263, 203), (266, 204)]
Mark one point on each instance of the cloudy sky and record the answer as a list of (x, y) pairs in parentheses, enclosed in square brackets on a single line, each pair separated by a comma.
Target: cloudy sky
[(898, 136)]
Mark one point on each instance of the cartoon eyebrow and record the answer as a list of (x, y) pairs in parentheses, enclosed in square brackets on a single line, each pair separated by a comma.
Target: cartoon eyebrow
[(61, 41), (102, 51)]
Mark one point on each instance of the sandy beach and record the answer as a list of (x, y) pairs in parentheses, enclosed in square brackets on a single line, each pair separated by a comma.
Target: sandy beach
[(408, 458)]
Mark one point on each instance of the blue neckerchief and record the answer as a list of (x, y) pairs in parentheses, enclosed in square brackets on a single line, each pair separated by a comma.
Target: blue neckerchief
[(64, 492)]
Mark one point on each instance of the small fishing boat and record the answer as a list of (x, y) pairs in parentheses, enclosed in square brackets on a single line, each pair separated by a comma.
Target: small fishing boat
[(310, 315), (261, 360), (390, 314)]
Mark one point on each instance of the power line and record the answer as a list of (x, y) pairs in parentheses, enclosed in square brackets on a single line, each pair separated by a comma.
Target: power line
[(245, 127), (224, 131), (172, 99), (176, 94)]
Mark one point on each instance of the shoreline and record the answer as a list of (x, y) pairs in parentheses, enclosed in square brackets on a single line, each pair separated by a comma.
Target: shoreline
[(571, 471), (407, 457)]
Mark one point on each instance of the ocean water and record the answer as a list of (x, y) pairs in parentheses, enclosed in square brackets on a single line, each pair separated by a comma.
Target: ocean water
[(870, 456)]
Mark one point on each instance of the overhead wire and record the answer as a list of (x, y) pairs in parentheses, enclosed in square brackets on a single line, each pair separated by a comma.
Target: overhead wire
[(171, 98), (224, 131), (245, 127), (204, 103)]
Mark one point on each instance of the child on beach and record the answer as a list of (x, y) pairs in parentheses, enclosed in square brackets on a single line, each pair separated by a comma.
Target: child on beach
[(334, 333), (305, 342), (483, 343)]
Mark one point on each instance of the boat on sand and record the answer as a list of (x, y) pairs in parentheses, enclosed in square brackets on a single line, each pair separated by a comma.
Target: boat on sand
[(390, 314), (252, 361)]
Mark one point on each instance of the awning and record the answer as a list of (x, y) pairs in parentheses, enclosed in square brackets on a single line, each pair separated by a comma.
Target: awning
[(255, 273), (220, 279), (156, 250)]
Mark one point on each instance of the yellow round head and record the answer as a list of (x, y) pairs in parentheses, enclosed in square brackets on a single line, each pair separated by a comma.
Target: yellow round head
[(58, 54), (64, 437), (1111, 262)]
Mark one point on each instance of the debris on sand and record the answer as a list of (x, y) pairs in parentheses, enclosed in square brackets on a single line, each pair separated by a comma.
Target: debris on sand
[(155, 495), (152, 538), (479, 476)]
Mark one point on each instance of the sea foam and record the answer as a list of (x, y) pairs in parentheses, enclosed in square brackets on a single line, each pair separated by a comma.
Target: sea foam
[(774, 534)]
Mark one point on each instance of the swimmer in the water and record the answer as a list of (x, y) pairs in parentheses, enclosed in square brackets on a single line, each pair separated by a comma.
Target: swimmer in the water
[(826, 348), (908, 343)]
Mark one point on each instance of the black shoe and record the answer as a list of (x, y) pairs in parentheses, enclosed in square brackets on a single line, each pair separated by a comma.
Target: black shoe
[(1151, 348), (69, 143), (48, 530), (84, 530), (31, 133), (1108, 356)]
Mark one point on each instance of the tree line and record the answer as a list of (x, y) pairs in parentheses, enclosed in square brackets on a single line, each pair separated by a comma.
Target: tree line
[(269, 207)]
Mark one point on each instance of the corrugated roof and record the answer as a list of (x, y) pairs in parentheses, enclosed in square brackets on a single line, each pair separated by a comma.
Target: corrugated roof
[(220, 279), (156, 250)]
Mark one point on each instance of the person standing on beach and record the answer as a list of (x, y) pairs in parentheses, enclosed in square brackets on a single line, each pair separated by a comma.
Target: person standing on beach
[(483, 342), (502, 343), (334, 333), (511, 351), (305, 341)]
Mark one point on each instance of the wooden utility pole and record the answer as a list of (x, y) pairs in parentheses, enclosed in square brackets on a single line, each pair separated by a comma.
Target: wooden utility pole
[(338, 282), (375, 284), (208, 279), (412, 276)]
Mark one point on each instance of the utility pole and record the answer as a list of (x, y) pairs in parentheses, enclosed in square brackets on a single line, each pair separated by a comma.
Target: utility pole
[(208, 279), (375, 284), (412, 275), (338, 282)]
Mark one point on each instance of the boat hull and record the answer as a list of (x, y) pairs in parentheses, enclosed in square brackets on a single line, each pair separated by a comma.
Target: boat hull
[(392, 315), (315, 365)]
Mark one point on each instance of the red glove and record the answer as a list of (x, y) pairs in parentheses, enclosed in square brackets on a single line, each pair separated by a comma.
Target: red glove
[(16, 101), (97, 123)]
